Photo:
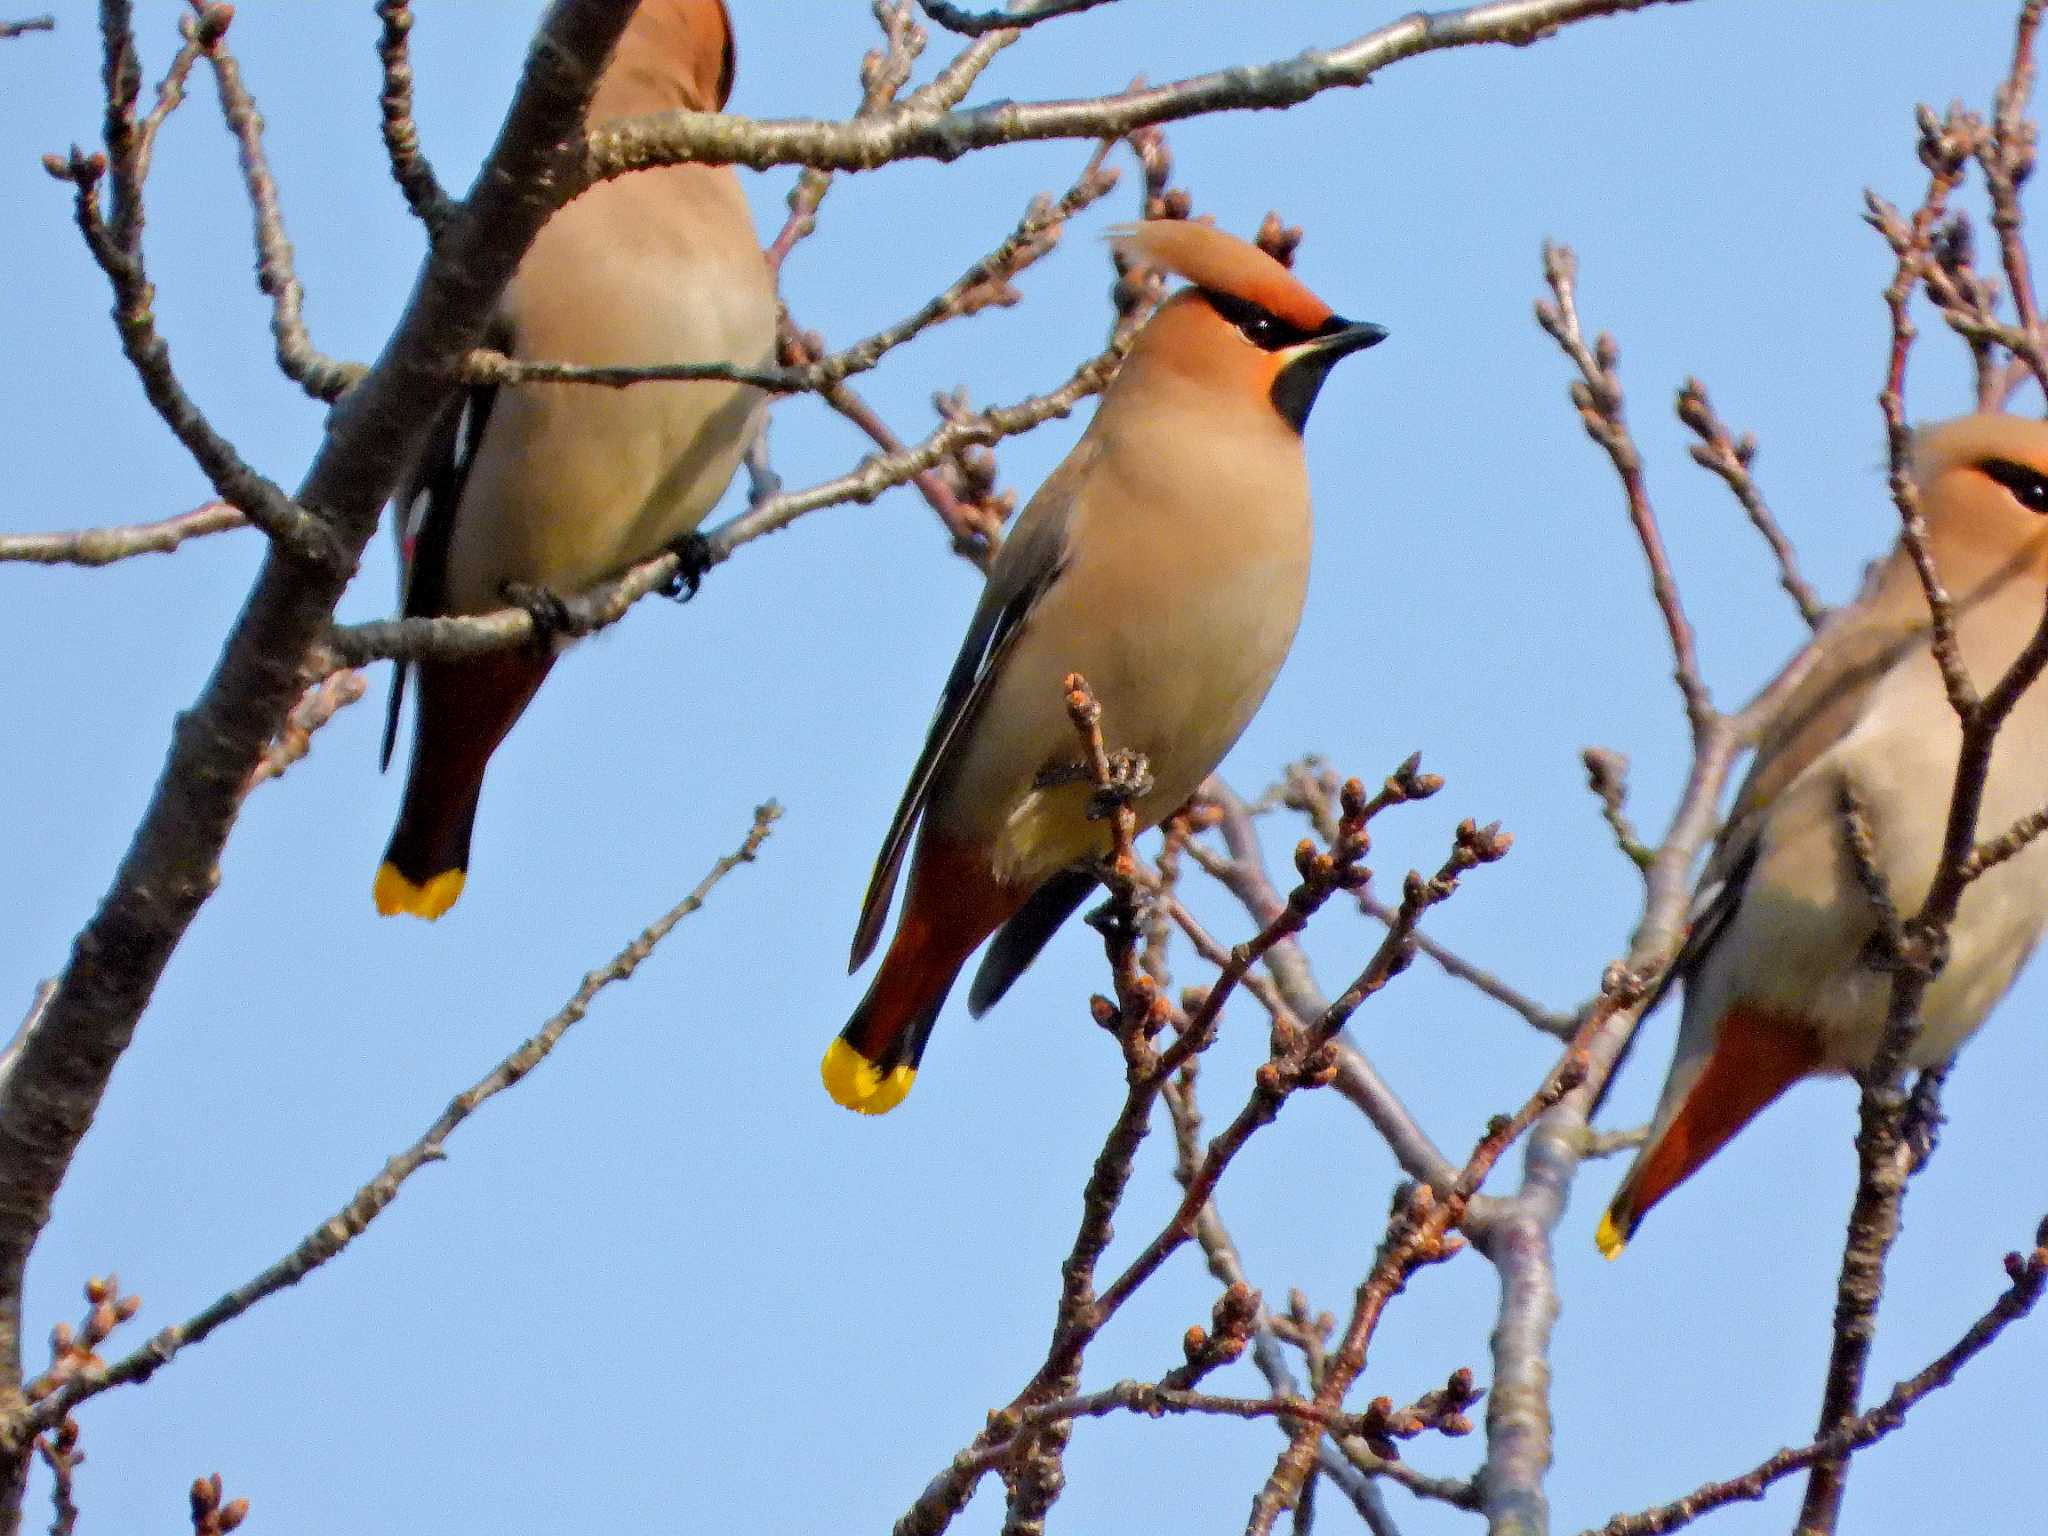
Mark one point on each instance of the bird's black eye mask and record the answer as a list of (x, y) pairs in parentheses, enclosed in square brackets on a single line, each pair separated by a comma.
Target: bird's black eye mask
[(2029, 487), (1261, 327)]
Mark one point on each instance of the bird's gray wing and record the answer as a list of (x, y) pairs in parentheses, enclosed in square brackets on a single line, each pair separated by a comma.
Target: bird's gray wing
[(425, 518), (1030, 562)]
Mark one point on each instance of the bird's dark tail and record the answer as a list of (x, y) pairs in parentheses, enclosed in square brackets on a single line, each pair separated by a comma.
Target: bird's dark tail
[(953, 905), (465, 709), (1756, 1057)]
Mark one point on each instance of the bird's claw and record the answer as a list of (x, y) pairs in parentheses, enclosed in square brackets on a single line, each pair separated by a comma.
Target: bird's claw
[(693, 557), (1130, 778), (550, 615)]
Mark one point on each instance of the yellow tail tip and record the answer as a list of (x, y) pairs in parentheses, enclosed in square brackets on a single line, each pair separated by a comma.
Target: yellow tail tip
[(1611, 1239), (858, 1084), (396, 894)]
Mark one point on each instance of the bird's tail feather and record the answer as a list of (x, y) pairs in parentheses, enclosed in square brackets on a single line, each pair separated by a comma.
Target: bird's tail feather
[(465, 709), (954, 903), (1756, 1057)]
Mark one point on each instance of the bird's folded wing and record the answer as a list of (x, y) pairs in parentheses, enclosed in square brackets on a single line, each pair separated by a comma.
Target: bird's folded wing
[(1859, 644), (1030, 562), (425, 518)]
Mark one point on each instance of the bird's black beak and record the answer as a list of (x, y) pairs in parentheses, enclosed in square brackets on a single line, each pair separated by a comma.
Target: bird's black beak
[(1340, 337), (1296, 385)]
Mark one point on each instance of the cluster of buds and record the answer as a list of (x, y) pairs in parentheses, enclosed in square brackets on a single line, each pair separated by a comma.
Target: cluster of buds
[(1155, 1011), (1232, 1322), (796, 347), (1341, 867), (79, 168), (1472, 846), (1138, 288), (1163, 200), (60, 1453), (1278, 239), (75, 1352), (970, 472), (885, 71), (1443, 1410), (1947, 141), (1298, 1058), (2023, 1268), (208, 25), (210, 1517), (1953, 247), (1417, 1225)]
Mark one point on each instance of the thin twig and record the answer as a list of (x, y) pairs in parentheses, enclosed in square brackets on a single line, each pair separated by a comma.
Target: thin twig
[(1560, 1026), (1607, 777), (1244, 875), (1035, 1451), (104, 546), (1418, 1234), (115, 241), (1945, 146), (409, 166), (1597, 394), (339, 1230), (607, 603), (2007, 157), (985, 284), (2029, 1276), (321, 376), (1730, 458), (322, 702), (60, 1453), (1020, 14), (630, 144)]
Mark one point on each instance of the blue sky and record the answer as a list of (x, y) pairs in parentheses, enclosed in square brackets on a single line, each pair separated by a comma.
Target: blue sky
[(666, 1280)]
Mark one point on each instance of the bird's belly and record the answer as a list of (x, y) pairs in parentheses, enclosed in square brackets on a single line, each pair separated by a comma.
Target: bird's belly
[(599, 485), (572, 483), (1807, 941), (1178, 676)]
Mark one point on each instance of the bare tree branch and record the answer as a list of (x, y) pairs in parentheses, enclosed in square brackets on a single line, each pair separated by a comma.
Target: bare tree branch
[(923, 134), (322, 701), (2029, 1276), (1419, 1234), (409, 167), (61, 1068), (1730, 457), (607, 603), (1021, 13), (1597, 394), (1244, 875), (328, 1239), (116, 244), (104, 546), (322, 377)]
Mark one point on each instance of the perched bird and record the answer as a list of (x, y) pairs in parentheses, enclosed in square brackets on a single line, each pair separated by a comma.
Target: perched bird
[(1166, 560), (528, 490), (1783, 968)]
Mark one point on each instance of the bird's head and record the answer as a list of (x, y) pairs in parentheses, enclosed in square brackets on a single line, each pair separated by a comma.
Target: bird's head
[(1984, 487), (674, 54), (1245, 325)]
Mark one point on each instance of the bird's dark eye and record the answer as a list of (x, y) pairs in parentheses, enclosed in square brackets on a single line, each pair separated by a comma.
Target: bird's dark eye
[(1262, 330), (2029, 487), (1261, 327)]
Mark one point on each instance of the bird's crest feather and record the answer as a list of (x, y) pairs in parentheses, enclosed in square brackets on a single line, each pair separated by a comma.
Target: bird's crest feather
[(1209, 258)]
